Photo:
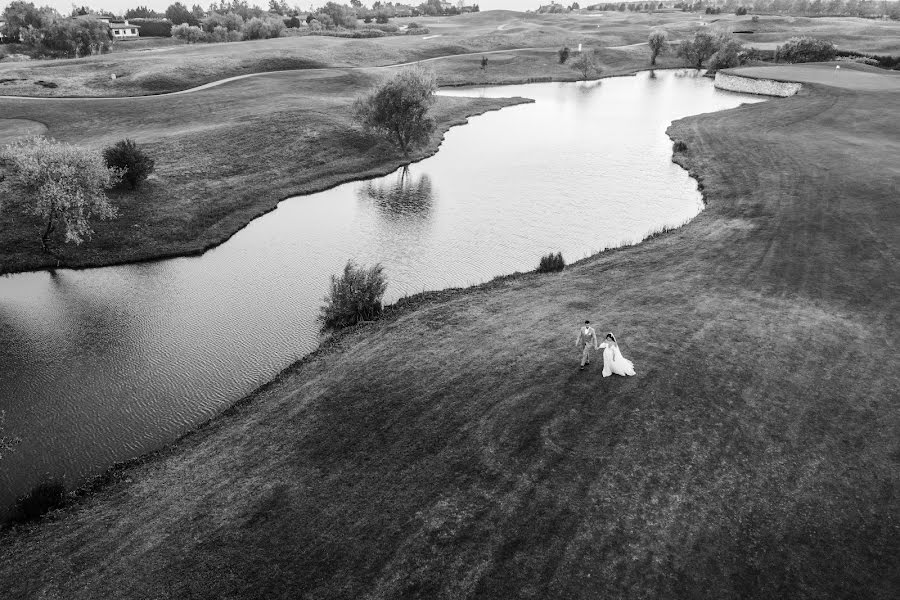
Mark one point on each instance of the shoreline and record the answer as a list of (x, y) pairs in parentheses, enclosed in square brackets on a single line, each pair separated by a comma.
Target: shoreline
[(326, 183), (334, 341)]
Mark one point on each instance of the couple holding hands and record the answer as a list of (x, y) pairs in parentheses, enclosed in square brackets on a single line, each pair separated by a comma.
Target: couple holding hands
[(613, 361)]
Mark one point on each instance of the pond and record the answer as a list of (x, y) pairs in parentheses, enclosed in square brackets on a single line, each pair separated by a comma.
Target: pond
[(101, 365)]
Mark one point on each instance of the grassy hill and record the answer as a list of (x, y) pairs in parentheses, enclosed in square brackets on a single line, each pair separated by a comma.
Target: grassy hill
[(456, 451)]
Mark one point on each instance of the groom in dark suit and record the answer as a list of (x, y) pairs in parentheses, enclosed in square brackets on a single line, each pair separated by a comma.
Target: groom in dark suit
[(587, 339)]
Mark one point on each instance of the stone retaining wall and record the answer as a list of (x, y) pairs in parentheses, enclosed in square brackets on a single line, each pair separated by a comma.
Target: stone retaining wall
[(751, 85)]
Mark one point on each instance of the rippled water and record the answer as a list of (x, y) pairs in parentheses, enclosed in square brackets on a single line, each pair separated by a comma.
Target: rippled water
[(101, 365)]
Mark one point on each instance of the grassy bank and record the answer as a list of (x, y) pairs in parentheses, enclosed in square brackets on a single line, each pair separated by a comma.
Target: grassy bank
[(457, 451), (224, 156)]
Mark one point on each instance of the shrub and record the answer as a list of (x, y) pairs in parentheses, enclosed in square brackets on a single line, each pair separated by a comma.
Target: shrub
[(354, 296), (755, 19), (381, 18), (805, 49), (484, 63), (189, 33), (679, 146), (741, 11), (551, 263), (260, 29), (563, 54), (45, 497), (413, 25), (131, 160)]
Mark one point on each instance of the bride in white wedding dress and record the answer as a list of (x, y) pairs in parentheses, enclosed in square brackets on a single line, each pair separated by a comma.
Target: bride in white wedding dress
[(613, 361)]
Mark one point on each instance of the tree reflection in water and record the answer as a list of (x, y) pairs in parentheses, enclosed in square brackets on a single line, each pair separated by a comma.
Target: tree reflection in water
[(408, 196)]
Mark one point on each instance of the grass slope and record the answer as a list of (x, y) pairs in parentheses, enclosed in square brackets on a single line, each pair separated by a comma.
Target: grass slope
[(223, 156), (456, 451)]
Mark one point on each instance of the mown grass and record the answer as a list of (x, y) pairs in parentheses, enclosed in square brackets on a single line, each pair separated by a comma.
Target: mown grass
[(455, 450)]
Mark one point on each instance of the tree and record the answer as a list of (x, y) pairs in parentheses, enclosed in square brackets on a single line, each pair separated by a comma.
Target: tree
[(658, 42), (22, 16), (189, 33), (178, 13), (131, 161), (730, 54), (484, 63), (563, 54), (65, 184), (141, 12), (698, 50), (586, 64), (398, 108), (353, 297), (80, 37)]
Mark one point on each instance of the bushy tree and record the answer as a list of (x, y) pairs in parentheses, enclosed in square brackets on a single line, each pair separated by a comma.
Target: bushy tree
[(77, 37), (189, 33), (699, 49), (730, 53), (341, 16), (141, 12), (353, 297), (658, 40), (805, 49), (179, 14), (260, 29), (133, 163), (398, 108), (65, 185), (586, 64), (21, 16), (229, 21)]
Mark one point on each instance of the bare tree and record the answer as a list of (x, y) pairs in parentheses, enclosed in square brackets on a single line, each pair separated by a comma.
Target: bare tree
[(586, 64)]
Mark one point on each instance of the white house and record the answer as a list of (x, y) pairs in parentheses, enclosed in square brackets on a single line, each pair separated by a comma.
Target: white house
[(122, 30)]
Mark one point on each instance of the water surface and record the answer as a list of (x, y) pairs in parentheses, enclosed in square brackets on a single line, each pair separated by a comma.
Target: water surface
[(100, 365)]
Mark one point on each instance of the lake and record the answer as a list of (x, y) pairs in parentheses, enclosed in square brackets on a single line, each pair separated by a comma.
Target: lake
[(101, 365)]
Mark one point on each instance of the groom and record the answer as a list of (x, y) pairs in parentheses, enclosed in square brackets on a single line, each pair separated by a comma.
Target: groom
[(587, 339)]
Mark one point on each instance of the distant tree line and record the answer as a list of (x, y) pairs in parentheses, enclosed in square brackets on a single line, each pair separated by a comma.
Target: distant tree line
[(808, 8)]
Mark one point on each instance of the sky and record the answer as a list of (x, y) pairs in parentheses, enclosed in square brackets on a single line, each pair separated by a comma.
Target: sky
[(120, 6)]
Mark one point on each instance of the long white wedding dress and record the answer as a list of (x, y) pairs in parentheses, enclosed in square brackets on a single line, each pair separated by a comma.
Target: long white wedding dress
[(614, 362)]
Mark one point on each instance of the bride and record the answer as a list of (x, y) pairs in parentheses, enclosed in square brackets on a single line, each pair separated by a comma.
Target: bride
[(613, 361)]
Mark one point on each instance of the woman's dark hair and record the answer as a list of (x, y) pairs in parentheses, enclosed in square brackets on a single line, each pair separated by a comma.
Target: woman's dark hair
[(610, 336)]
